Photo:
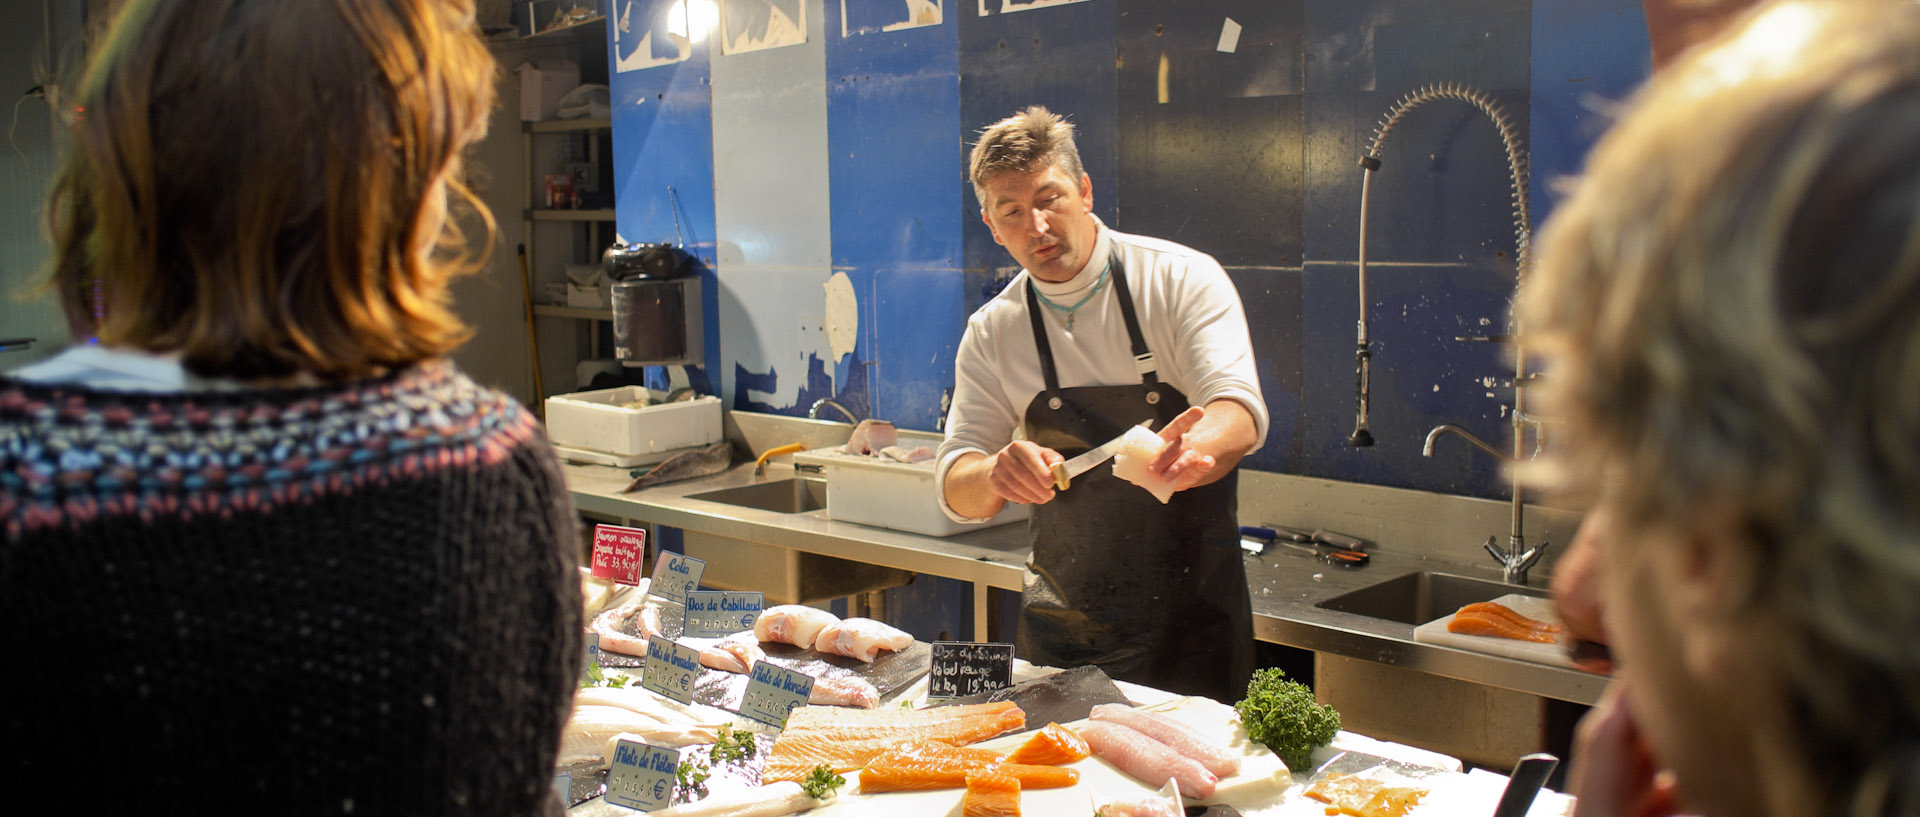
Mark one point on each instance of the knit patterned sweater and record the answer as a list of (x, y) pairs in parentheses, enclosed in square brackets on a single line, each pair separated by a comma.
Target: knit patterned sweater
[(358, 599)]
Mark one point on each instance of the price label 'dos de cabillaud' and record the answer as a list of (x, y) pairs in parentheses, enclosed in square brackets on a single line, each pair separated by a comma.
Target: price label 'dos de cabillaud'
[(772, 692), (641, 776), (675, 575), (671, 669), (619, 553), (719, 613), (962, 668)]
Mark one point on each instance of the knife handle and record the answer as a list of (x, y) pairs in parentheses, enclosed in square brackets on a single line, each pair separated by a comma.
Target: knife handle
[(1060, 479)]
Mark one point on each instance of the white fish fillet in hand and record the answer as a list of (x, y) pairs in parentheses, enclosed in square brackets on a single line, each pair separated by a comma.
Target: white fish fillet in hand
[(861, 638), (1218, 759), (795, 624), (1138, 452), (1147, 760)]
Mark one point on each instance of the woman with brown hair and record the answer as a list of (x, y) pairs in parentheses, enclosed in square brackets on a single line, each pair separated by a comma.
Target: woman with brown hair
[(261, 545), (1730, 306)]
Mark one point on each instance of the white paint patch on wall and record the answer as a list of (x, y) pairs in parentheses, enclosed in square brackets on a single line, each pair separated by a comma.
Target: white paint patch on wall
[(842, 321)]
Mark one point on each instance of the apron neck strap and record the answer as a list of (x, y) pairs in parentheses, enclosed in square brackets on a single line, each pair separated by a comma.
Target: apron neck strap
[(1142, 356)]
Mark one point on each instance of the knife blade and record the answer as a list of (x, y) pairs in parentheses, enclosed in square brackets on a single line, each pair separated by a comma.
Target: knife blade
[(1064, 472), (1528, 776)]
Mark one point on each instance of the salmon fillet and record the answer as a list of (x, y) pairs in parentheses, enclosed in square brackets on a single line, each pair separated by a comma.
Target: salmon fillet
[(1510, 614), (847, 739), (1055, 745), (991, 795), (935, 765), (1499, 627)]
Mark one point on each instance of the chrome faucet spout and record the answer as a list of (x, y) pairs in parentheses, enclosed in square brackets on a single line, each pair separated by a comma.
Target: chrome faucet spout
[(1449, 428), (813, 413)]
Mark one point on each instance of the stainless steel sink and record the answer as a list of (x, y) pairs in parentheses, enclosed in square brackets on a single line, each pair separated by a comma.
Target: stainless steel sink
[(795, 495), (1418, 598)]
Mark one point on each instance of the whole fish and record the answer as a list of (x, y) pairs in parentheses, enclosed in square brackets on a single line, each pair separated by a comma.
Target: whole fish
[(699, 462)]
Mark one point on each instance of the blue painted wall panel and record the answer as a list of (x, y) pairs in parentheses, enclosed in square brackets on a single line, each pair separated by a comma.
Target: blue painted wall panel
[(1588, 55)]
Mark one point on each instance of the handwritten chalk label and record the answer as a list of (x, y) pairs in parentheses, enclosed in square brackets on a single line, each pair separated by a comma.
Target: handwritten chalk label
[(772, 692), (671, 669), (641, 776), (619, 553), (717, 613), (962, 668), (675, 575)]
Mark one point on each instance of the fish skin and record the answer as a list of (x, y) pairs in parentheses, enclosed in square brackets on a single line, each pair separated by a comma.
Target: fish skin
[(844, 690), (1486, 624), (1147, 760), (1053, 745), (991, 794), (929, 764), (1510, 614), (733, 655), (1176, 736), (700, 462)]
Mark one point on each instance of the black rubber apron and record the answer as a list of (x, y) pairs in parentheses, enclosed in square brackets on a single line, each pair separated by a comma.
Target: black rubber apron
[(1153, 594)]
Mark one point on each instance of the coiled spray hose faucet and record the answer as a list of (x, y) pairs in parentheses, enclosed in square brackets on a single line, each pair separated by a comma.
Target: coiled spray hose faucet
[(1522, 228)]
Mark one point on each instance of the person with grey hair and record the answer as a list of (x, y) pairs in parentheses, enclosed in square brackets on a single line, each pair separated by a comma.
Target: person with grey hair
[(1729, 307), (1100, 332)]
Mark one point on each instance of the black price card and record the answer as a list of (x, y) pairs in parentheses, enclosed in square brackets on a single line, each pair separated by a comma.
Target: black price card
[(962, 668)]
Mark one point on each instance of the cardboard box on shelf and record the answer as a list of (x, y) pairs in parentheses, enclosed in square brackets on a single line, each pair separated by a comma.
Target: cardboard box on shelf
[(541, 86)]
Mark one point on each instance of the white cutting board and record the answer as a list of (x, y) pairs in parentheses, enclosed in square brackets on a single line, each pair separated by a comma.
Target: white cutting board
[(1435, 632)]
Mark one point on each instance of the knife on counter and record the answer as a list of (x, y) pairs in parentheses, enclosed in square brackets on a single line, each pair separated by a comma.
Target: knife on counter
[(1064, 472)]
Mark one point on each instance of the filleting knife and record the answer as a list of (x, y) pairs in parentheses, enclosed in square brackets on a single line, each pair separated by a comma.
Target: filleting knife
[(1064, 472)]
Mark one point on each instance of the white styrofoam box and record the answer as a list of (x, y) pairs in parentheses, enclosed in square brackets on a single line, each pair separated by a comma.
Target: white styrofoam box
[(542, 85), (600, 421), (887, 493)]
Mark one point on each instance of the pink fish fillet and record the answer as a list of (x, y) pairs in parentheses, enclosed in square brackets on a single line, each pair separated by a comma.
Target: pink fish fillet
[(1216, 758), (842, 690), (861, 638), (609, 626), (795, 624), (733, 654), (1147, 760)]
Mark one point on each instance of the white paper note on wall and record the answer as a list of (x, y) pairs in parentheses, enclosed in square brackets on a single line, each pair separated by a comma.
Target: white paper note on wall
[(1229, 36)]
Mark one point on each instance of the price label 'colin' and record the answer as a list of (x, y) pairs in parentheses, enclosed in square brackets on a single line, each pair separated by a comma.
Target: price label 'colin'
[(641, 776), (671, 669), (619, 553), (772, 692), (675, 575), (962, 668), (717, 613)]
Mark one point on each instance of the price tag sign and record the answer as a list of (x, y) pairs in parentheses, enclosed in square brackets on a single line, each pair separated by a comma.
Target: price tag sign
[(675, 575), (962, 668), (772, 692), (619, 553), (671, 669), (716, 613), (641, 776)]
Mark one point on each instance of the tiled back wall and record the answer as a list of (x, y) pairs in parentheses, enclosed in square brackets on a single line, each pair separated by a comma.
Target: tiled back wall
[(844, 153)]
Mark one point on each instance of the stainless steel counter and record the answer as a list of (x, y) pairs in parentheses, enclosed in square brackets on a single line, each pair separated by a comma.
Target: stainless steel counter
[(1284, 585)]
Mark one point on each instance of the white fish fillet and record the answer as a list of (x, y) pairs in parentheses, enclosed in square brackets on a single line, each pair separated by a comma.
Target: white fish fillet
[(861, 638), (645, 614), (592, 726), (733, 654), (1147, 760), (844, 690), (795, 624), (1218, 759), (771, 800), (1139, 451)]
